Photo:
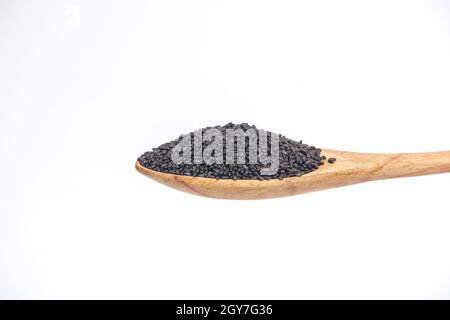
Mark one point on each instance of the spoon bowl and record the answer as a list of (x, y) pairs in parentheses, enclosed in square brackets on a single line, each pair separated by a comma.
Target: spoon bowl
[(349, 168)]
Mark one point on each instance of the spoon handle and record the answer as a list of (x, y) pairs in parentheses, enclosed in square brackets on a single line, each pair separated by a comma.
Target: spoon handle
[(411, 164)]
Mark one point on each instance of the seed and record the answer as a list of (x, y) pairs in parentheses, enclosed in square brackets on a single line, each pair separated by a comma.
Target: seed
[(295, 159)]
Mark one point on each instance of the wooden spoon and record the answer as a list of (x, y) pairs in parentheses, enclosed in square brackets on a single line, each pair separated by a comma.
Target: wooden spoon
[(349, 168)]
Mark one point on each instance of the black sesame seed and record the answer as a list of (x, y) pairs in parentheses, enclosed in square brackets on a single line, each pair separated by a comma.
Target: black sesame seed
[(295, 159)]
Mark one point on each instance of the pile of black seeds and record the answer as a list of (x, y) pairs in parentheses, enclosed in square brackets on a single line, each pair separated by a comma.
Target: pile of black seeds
[(295, 159)]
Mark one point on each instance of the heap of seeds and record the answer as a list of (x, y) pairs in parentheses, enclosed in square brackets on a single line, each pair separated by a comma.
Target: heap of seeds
[(295, 159)]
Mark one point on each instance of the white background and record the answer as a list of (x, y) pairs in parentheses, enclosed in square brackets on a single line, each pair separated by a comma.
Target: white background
[(87, 86)]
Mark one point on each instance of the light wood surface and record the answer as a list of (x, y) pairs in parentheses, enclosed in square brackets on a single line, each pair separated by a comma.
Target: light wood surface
[(349, 168)]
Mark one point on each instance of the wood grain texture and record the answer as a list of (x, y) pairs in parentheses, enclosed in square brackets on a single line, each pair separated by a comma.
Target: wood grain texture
[(350, 168)]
